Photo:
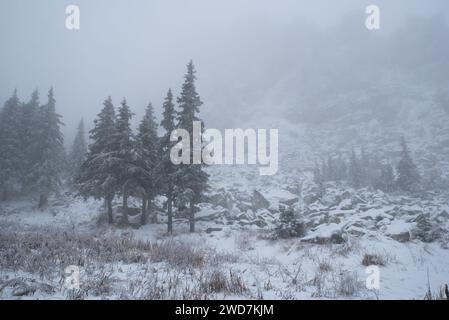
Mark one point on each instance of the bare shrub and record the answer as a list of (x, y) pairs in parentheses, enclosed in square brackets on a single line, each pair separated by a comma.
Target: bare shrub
[(325, 266), (178, 254), (373, 259), (245, 240), (218, 281), (348, 284)]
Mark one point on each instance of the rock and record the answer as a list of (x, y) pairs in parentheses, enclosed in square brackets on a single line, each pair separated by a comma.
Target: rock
[(323, 234), (258, 201), (345, 204), (294, 188), (260, 223), (401, 237), (399, 230), (244, 206), (222, 198), (335, 238), (210, 230), (311, 198), (289, 202)]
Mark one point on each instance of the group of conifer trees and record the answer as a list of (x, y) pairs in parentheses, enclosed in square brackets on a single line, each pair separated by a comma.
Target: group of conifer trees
[(368, 171), (117, 163), (32, 156), (122, 163)]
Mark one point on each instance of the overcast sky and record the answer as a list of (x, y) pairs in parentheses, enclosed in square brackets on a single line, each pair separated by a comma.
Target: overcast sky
[(139, 48)]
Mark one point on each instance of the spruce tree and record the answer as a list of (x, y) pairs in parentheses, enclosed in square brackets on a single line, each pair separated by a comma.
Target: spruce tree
[(386, 181), (47, 171), (31, 119), (97, 176), (355, 172), (408, 175), (168, 168), (192, 179), (78, 152), (149, 161), (10, 147), (126, 167)]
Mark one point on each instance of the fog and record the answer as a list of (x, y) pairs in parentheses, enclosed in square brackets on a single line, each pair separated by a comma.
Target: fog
[(252, 56)]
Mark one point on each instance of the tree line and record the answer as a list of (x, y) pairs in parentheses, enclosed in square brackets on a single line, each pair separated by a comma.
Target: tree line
[(361, 170), (32, 156), (117, 161)]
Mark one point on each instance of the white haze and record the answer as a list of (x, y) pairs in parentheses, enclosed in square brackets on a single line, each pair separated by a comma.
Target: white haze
[(251, 56)]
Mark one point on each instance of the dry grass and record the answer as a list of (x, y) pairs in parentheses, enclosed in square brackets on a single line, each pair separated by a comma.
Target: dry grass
[(166, 269)]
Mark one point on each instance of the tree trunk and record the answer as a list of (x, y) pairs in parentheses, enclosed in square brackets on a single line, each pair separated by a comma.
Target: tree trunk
[(43, 201), (192, 216), (169, 213), (143, 217), (125, 207), (108, 202)]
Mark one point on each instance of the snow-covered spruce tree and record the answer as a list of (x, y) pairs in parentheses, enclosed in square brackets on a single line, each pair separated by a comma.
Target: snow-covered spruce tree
[(168, 178), (30, 125), (97, 177), (355, 172), (340, 168), (47, 171), (289, 225), (385, 181), (78, 152), (192, 179), (127, 168), (408, 175), (148, 149), (10, 147)]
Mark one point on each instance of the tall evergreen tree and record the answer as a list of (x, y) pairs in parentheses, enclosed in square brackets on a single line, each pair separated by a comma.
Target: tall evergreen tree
[(192, 179), (30, 129), (149, 161), (125, 154), (78, 152), (46, 172), (355, 172), (408, 175), (10, 147), (97, 177), (386, 181), (168, 168)]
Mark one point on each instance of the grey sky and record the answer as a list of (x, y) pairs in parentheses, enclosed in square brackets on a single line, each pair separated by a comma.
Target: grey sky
[(139, 48)]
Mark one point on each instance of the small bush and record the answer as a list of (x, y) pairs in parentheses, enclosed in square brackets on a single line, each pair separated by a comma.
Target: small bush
[(288, 226), (373, 259), (348, 284)]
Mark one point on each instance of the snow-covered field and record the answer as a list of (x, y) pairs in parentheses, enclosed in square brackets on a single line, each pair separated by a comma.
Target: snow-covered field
[(233, 254)]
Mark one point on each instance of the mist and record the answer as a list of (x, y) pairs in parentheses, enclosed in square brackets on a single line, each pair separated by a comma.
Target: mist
[(251, 56)]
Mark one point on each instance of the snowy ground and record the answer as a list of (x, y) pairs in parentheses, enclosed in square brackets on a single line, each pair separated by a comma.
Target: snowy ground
[(236, 260), (232, 255)]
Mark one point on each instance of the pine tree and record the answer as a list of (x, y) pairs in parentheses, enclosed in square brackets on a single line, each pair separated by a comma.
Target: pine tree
[(168, 172), (126, 168), (317, 176), (10, 152), (408, 175), (386, 179), (97, 176), (31, 119), (365, 167), (47, 171), (149, 161), (355, 172), (78, 152), (192, 178)]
